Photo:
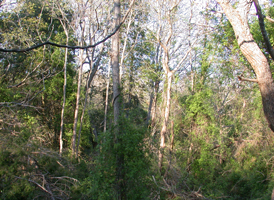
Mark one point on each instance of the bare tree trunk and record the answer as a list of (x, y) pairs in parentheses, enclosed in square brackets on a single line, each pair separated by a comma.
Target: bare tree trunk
[(154, 103), (169, 74), (129, 92), (120, 186), (64, 97), (115, 63), (166, 118), (124, 48), (189, 44), (170, 148), (73, 141), (150, 107), (153, 96), (252, 52), (106, 101)]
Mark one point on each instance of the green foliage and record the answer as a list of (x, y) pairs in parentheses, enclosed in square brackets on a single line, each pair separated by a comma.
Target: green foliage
[(26, 169), (102, 179), (222, 166)]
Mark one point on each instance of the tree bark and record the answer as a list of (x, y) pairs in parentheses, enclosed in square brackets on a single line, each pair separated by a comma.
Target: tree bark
[(64, 98), (120, 186), (124, 48), (106, 101), (154, 104), (115, 63), (151, 97), (170, 148), (166, 118), (252, 52), (73, 140), (272, 195)]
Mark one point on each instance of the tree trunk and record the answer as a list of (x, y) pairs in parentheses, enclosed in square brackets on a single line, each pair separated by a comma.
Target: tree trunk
[(170, 148), (93, 70), (120, 186), (124, 48), (115, 63), (149, 107), (252, 52), (73, 140), (166, 118), (129, 92), (154, 104), (64, 98), (106, 101)]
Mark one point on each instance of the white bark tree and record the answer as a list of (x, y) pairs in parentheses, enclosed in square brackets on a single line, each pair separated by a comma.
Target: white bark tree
[(174, 55)]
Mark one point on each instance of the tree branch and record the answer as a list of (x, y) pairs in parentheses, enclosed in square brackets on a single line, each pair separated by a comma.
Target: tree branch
[(262, 27), (9, 104), (40, 186), (183, 59), (269, 19), (247, 79), (67, 46)]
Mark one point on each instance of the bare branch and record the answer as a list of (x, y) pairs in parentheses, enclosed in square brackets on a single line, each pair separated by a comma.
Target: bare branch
[(269, 19), (40, 186), (183, 59), (247, 79), (71, 47)]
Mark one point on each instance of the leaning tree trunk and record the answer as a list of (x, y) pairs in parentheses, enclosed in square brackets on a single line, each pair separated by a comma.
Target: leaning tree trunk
[(252, 52)]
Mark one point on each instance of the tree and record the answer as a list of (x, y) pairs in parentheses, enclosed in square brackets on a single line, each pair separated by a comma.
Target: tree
[(115, 51), (167, 34), (252, 52), (64, 22)]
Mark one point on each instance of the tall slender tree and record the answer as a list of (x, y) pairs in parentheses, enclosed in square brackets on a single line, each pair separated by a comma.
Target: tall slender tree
[(166, 33), (115, 52)]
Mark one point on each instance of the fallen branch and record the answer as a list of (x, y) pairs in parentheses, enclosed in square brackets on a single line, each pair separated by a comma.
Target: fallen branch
[(9, 104), (40, 186)]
